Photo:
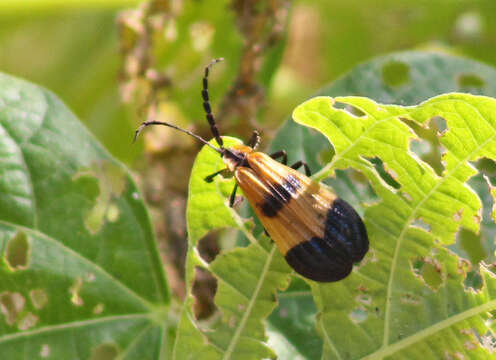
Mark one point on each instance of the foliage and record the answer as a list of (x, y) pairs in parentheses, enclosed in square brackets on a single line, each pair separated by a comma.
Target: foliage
[(78, 262), (75, 236), (410, 291), (79, 272)]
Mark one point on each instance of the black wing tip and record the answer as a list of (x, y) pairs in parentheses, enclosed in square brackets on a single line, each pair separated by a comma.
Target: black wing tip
[(316, 260), (343, 217)]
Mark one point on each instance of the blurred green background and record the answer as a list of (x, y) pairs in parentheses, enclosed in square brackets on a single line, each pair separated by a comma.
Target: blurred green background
[(73, 49)]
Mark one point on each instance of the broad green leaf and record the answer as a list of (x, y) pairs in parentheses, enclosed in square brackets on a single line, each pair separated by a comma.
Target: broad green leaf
[(428, 74), (80, 275), (408, 297)]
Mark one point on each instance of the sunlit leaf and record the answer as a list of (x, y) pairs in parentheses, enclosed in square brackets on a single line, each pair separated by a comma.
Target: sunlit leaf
[(248, 278), (414, 288), (430, 74)]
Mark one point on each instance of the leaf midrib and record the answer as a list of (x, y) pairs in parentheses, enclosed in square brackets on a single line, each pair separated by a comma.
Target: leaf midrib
[(240, 328), (73, 325), (70, 251)]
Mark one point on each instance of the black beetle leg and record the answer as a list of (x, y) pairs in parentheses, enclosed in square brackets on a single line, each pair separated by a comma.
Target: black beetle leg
[(279, 154), (300, 163), (210, 177), (232, 198)]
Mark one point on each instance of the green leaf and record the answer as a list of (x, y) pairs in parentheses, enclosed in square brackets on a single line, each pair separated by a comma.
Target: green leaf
[(290, 327), (80, 276), (408, 294), (429, 74), (248, 278)]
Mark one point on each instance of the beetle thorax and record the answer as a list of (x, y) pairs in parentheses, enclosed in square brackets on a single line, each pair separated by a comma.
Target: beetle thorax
[(236, 156)]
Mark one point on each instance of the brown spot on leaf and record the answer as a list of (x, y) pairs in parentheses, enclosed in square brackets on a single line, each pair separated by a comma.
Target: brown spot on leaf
[(411, 299), (362, 288), (39, 298), (11, 304), (458, 215), (364, 299), (28, 321)]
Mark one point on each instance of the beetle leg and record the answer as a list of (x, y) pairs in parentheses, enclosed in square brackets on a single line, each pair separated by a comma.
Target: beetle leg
[(279, 154), (232, 198), (254, 140), (300, 163), (210, 177)]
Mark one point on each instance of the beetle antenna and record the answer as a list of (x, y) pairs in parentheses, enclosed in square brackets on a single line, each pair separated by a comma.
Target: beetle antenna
[(206, 104), (148, 123)]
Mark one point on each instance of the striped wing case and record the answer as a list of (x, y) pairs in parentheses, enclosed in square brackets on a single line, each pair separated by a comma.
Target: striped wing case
[(320, 235)]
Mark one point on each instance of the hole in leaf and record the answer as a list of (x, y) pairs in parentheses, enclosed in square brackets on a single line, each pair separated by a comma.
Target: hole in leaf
[(208, 246), (75, 291), (349, 108), (420, 147), (421, 224), (359, 315), (17, 253), (11, 304), (471, 83), (45, 351), (473, 281), (39, 298), (429, 270), (386, 175), (28, 321), (364, 299), (396, 73), (428, 147), (488, 341), (204, 289), (105, 352), (472, 245), (110, 181), (439, 124)]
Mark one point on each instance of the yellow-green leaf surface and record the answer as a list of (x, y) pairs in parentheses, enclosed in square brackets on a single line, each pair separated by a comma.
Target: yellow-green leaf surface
[(80, 276), (405, 78), (407, 299), (248, 278), (410, 297)]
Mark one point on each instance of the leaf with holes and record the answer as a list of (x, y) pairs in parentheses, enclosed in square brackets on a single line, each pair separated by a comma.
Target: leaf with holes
[(409, 297), (410, 292), (405, 78), (80, 276), (248, 278)]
